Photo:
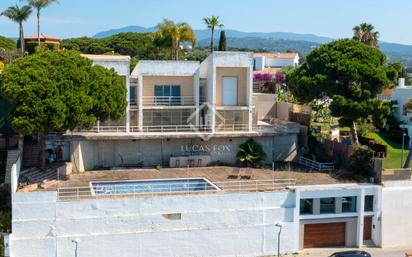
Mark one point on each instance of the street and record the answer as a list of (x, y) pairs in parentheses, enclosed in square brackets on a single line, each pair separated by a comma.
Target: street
[(375, 252)]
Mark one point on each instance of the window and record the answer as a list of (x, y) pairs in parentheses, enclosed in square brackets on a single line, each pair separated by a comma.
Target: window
[(306, 206), (167, 94), (349, 204), (327, 205), (369, 202), (133, 95)]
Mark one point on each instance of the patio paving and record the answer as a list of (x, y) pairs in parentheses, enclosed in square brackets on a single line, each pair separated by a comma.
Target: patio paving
[(214, 174)]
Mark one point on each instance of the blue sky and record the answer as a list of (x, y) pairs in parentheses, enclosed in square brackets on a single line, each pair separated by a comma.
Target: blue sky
[(332, 18)]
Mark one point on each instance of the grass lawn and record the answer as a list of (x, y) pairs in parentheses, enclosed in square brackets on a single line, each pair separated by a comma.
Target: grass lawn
[(393, 160)]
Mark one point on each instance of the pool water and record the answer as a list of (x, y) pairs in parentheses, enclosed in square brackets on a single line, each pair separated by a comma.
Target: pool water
[(152, 186)]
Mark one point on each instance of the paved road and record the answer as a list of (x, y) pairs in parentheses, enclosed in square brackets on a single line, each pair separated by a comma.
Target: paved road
[(375, 252)]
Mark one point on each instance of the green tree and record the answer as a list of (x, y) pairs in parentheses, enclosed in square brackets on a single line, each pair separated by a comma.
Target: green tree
[(18, 15), (211, 23), (222, 41), (366, 34), (7, 43), (171, 34), (251, 153), (351, 74), (360, 163), (60, 91), (38, 5), (395, 71), (197, 55)]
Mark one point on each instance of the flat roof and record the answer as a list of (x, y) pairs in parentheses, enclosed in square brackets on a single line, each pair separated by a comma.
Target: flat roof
[(166, 68), (276, 55), (102, 57)]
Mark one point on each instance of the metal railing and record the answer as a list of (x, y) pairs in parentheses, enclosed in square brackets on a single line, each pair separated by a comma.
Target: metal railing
[(276, 128), (169, 100), (187, 188), (314, 165)]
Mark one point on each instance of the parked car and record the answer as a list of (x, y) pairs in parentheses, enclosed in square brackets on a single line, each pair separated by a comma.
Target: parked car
[(351, 254)]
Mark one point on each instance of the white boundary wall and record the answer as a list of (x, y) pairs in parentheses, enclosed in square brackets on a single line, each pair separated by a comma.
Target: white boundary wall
[(396, 214), (210, 225)]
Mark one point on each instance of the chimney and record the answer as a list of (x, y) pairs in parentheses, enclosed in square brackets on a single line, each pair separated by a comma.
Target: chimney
[(401, 82)]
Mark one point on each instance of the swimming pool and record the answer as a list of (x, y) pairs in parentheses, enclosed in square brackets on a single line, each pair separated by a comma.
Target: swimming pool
[(152, 186)]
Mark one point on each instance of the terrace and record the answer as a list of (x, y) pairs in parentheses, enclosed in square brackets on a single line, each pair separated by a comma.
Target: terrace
[(77, 186)]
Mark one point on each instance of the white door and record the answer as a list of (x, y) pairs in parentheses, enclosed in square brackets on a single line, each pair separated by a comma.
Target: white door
[(229, 91)]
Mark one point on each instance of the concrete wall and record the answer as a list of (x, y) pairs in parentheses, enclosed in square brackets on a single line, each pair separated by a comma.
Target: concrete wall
[(206, 225), (396, 215), (185, 83), (89, 155), (279, 62), (265, 105), (240, 74)]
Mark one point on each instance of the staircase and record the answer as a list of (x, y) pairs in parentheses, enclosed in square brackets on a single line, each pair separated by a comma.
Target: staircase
[(37, 176), (12, 156)]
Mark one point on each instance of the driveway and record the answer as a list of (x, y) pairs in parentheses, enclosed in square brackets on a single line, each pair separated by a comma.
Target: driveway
[(375, 252)]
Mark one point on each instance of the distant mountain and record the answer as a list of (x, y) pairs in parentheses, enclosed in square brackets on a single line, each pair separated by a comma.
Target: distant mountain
[(112, 32), (275, 41), (272, 45), (204, 34)]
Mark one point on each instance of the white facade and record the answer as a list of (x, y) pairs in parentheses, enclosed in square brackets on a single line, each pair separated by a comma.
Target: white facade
[(238, 224), (401, 95), (273, 60), (204, 225), (396, 209)]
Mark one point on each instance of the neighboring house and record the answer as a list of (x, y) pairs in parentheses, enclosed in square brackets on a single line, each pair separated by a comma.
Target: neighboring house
[(177, 105), (52, 43), (400, 96), (271, 63)]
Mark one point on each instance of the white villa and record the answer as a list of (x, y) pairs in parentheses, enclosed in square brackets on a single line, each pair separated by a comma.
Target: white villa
[(108, 199), (273, 62), (175, 105)]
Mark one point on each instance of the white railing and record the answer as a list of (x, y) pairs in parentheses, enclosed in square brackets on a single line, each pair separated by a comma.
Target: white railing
[(190, 128), (314, 165), (190, 188), (171, 128), (169, 100)]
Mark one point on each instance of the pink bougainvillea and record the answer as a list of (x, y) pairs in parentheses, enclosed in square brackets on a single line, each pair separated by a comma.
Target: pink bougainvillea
[(262, 77)]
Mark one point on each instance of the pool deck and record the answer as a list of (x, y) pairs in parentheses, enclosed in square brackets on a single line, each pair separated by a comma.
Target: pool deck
[(214, 174), (77, 186)]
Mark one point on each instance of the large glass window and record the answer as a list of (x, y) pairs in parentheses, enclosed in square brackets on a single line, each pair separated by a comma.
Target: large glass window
[(306, 206), (229, 120), (167, 94), (327, 205), (369, 203), (173, 119), (349, 204)]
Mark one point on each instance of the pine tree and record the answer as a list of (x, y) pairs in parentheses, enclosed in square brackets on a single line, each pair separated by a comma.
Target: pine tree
[(222, 41)]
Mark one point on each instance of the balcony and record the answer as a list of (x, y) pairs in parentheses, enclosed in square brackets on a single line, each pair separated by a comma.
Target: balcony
[(169, 101)]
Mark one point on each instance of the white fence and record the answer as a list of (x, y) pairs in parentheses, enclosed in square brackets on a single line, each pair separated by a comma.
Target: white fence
[(173, 188), (270, 128), (313, 165)]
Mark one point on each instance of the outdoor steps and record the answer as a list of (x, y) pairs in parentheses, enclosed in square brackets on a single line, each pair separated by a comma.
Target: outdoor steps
[(35, 175)]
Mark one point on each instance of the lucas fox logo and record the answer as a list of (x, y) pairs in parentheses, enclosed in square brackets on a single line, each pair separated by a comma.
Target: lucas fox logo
[(216, 149)]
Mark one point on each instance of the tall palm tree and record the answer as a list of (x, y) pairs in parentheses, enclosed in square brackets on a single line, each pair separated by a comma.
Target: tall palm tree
[(212, 23), (18, 15), (366, 34), (173, 34), (39, 5)]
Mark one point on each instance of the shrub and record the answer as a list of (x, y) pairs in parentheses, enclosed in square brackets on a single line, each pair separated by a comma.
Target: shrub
[(360, 163), (251, 153)]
